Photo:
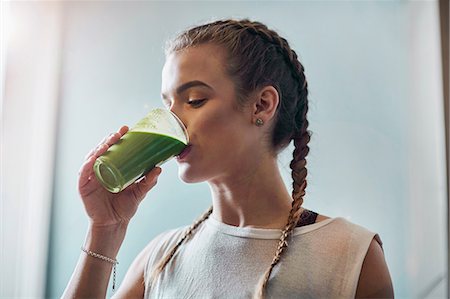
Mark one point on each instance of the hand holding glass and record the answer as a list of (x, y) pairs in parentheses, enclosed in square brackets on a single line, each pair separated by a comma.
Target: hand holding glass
[(156, 138)]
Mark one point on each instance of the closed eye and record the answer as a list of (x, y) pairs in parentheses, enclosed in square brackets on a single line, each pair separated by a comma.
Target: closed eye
[(196, 103)]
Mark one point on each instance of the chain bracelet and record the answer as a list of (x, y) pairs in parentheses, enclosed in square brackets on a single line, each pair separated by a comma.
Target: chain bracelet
[(106, 259)]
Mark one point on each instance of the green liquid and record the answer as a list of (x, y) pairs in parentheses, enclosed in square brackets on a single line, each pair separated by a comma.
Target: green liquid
[(132, 157)]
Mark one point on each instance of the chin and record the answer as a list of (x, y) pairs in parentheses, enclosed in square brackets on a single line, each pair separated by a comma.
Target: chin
[(188, 175)]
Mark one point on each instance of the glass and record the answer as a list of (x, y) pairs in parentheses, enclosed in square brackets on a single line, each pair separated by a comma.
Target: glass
[(156, 138)]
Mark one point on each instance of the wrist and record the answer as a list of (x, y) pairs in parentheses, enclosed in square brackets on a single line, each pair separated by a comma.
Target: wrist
[(109, 228), (105, 240)]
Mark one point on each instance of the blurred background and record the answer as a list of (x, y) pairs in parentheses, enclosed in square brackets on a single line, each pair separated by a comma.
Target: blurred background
[(74, 71)]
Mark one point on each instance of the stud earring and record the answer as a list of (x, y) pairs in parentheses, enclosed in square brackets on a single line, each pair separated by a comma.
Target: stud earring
[(259, 122)]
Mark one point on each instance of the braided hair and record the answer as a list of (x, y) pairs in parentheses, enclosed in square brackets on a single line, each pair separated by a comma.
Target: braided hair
[(256, 57)]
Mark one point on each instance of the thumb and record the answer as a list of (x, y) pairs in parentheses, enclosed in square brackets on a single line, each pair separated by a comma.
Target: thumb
[(141, 187)]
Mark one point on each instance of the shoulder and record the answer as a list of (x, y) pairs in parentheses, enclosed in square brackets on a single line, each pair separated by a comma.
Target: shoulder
[(163, 242), (168, 236), (374, 280), (369, 271), (339, 230), (134, 280), (341, 227)]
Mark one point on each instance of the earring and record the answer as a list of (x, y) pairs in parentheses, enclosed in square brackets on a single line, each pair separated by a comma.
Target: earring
[(259, 122)]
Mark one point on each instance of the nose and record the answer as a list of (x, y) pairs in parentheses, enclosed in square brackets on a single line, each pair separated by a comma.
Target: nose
[(179, 114)]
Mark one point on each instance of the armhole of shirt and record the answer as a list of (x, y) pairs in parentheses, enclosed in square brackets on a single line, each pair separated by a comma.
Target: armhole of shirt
[(365, 249), (378, 239)]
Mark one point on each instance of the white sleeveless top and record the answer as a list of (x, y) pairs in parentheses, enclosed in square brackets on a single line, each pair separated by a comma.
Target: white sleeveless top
[(322, 260)]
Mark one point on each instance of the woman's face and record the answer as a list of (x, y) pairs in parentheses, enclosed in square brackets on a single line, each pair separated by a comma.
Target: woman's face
[(222, 136)]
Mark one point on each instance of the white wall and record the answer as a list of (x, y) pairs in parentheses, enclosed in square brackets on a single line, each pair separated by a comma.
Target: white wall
[(426, 162), (377, 151), (30, 73)]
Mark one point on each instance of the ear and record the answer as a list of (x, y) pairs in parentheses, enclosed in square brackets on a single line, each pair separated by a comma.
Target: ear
[(266, 103)]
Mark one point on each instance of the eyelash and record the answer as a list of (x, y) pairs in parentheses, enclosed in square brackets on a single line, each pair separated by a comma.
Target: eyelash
[(196, 103)]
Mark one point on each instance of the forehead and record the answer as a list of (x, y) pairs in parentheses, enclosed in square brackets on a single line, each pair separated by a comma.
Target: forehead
[(203, 63)]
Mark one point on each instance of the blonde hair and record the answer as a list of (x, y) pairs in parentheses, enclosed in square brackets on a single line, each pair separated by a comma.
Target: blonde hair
[(256, 57)]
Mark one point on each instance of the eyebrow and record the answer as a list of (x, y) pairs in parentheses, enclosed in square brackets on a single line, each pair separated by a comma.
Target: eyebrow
[(183, 87)]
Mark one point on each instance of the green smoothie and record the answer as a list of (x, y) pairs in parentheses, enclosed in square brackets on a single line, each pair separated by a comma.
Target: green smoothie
[(135, 154)]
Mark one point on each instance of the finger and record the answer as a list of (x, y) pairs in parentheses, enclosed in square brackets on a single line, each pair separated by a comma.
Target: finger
[(86, 172), (90, 185), (97, 147), (110, 140), (87, 167), (123, 130), (144, 185), (114, 137), (101, 150)]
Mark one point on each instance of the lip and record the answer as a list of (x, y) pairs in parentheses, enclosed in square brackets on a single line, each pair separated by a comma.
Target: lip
[(184, 153)]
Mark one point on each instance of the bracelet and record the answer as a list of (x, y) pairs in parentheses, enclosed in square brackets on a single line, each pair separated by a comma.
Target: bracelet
[(106, 259)]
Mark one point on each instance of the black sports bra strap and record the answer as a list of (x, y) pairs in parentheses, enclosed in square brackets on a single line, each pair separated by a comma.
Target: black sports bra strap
[(307, 217)]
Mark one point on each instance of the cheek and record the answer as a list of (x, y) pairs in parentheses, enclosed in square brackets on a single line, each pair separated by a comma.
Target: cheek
[(220, 136), (223, 134), (221, 125), (213, 122)]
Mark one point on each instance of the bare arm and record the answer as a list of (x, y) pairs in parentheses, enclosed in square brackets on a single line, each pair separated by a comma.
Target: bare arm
[(109, 215), (133, 285), (91, 276), (374, 280)]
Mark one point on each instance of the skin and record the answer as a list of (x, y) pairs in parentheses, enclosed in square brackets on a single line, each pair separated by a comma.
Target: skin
[(109, 215), (246, 192), (219, 132)]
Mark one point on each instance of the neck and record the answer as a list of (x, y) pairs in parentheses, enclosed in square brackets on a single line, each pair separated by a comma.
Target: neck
[(256, 197)]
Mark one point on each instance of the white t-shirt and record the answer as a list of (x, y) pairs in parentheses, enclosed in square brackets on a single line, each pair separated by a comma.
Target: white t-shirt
[(322, 260)]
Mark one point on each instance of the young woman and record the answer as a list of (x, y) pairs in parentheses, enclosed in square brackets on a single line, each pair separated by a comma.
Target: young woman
[(242, 94)]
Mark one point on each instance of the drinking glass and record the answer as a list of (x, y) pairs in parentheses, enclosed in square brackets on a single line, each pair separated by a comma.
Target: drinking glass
[(155, 139)]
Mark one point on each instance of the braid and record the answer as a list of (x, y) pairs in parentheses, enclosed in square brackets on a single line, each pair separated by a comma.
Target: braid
[(258, 56), (165, 260), (299, 173), (297, 70), (301, 139)]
